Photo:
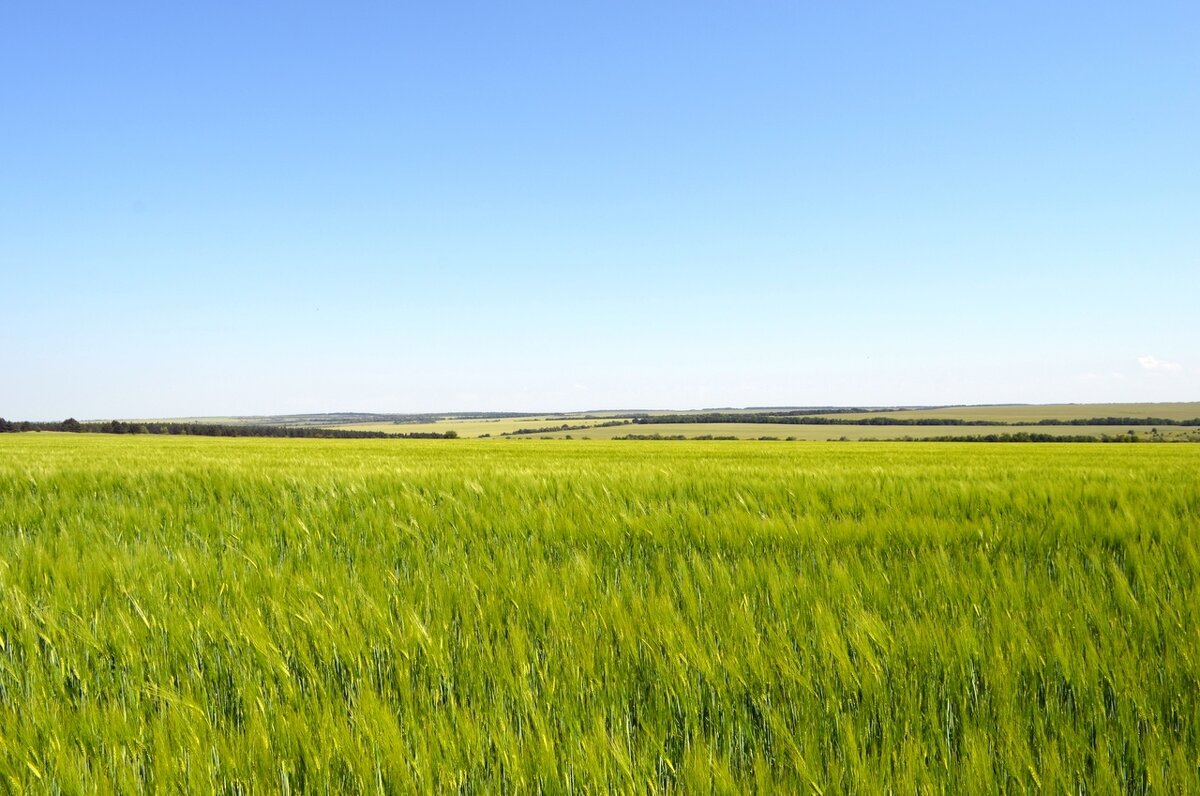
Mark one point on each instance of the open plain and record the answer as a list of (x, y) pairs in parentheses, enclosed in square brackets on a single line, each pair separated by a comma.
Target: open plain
[(221, 615)]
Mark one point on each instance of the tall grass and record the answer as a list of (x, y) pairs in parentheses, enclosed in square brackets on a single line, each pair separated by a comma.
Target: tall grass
[(360, 616)]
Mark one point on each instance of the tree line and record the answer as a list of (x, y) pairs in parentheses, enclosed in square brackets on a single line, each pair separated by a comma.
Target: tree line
[(1026, 436), (564, 427), (210, 430), (1021, 436)]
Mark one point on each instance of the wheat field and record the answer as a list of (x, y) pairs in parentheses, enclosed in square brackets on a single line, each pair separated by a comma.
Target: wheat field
[(383, 616)]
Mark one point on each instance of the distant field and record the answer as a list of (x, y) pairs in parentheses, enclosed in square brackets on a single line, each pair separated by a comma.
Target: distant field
[(1017, 414), (1002, 414), (494, 426), (473, 428), (802, 432)]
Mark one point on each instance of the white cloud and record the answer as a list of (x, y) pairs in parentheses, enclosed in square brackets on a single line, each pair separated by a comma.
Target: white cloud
[(1150, 362)]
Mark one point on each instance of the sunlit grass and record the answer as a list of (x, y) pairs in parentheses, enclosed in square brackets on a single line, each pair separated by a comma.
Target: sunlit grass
[(400, 616)]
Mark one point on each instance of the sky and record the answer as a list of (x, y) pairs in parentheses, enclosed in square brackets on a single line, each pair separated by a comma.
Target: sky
[(228, 208)]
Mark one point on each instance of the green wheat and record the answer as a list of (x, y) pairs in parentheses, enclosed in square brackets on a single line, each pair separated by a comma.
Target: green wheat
[(332, 616)]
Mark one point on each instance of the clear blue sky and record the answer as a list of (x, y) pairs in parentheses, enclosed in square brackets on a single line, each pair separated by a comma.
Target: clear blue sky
[(231, 208)]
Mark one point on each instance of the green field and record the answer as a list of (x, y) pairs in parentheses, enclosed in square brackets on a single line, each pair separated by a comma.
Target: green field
[(495, 427), (472, 427), (850, 432), (342, 616), (1034, 412)]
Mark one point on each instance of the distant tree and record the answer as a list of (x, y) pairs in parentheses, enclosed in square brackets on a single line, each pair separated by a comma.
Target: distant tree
[(71, 424)]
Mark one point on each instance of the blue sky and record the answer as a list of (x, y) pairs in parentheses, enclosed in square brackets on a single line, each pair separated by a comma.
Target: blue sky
[(235, 208)]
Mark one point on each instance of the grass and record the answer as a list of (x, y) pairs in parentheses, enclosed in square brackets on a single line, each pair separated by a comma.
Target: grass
[(811, 433), (1033, 413), (236, 615), (475, 428), (1000, 414)]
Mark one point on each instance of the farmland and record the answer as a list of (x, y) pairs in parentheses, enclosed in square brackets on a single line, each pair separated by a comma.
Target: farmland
[(784, 431), (1032, 413), (474, 427), (229, 615), (1144, 419)]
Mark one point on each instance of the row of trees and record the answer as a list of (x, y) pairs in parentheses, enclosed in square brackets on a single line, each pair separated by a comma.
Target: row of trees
[(1120, 421), (211, 430), (1026, 436), (1021, 436), (564, 427)]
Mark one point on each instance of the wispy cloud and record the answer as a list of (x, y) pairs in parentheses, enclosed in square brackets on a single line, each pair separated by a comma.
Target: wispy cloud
[(1150, 362)]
